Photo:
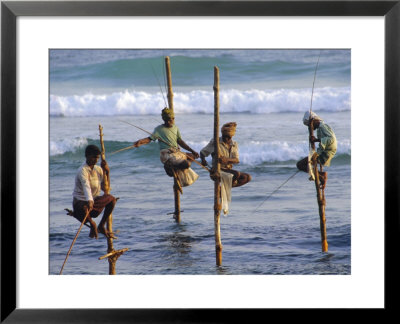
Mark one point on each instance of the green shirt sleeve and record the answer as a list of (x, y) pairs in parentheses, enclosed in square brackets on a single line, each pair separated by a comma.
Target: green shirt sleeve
[(154, 136)]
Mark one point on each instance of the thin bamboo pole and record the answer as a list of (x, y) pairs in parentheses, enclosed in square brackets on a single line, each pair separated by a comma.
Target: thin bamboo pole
[(110, 246), (170, 96), (217, 171), (73, 242), (320, 199)]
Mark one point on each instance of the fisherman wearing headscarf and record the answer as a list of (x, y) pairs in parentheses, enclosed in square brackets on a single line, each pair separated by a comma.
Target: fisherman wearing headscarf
[(169, 139), (229, 154), (327, 145)]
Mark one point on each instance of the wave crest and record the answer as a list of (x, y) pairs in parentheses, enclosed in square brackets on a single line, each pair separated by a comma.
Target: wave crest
[(67, 145), (200, 101)]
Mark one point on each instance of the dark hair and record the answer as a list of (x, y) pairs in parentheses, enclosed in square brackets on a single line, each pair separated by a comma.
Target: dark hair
[(92, 150)]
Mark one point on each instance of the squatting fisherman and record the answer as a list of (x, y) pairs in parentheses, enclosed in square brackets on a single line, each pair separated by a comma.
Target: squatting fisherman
[(89, 182), (229, 154), (169, 139), (327, 145)]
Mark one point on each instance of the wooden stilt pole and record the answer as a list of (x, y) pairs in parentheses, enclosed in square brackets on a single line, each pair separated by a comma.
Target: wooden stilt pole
[(112, 259), (170, 96), (217, 172), (177, 199), (320, 199)]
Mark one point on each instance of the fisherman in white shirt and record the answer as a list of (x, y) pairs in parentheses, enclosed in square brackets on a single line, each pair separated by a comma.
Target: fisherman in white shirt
[(87, 196)]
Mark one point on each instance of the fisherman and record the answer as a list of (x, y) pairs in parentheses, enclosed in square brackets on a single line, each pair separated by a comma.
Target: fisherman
[(89, 182), (169, 138), (229, 154), (327, 145)]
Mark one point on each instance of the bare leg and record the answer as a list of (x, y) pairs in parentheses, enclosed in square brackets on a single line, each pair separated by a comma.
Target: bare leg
[(323, 177), (242, 180), (107, 212), (93, 229), (239, 178)]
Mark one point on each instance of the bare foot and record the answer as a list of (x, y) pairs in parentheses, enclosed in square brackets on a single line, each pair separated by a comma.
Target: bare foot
[(102, 229), (93, 231)]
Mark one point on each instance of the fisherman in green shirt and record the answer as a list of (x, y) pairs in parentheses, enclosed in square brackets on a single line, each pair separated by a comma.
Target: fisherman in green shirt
[(327, 145), (169, 139)]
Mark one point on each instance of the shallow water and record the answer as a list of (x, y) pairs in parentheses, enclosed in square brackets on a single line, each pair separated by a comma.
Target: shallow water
[(275, 236)]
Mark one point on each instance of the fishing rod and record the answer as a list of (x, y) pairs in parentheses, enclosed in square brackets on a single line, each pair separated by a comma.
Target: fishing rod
[(312, 94), (160, 139), (311, 144), (315, 74), (132, 146), (123, 149), (165, 102)]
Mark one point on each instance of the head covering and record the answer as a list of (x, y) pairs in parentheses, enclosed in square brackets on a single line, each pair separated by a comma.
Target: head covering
[(167, 114), (229, 129), (306, 118), (92, 150)]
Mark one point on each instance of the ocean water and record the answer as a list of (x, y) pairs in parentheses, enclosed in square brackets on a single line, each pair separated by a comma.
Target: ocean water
[(266, 92)]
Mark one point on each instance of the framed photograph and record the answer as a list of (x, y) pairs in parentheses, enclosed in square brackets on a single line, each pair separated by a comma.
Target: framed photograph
[(77, 73)]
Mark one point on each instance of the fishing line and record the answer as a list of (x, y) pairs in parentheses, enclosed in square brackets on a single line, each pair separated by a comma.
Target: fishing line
[(123, 121), (160, 139), (276, 190), (312, 92), (315, 74), (155, 120), (158, 81)]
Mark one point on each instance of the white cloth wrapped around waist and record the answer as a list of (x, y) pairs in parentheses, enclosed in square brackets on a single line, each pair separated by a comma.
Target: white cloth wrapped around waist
[(226, 187), (176, 157)]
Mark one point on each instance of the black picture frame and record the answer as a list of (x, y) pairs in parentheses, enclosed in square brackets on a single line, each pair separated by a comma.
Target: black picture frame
[(10, 10)]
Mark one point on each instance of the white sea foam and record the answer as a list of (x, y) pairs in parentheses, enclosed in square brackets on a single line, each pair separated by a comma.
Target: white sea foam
[(253, 153), (200, 101), (67, 145), (256, 152)]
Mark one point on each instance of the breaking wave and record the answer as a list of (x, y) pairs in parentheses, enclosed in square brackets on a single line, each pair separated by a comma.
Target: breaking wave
[(252, 153), (200, 101)]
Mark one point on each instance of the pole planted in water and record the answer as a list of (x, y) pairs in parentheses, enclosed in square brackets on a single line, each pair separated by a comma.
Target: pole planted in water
[(320, 197), (113, 255), (217, 172), (170, 96)]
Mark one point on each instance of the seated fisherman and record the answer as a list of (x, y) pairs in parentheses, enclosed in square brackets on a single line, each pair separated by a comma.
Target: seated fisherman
[(229, 154), (327, 145), (169, 139), (89, 181)]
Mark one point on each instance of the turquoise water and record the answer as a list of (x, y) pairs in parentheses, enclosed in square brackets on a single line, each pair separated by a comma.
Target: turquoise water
[(277, 236)]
